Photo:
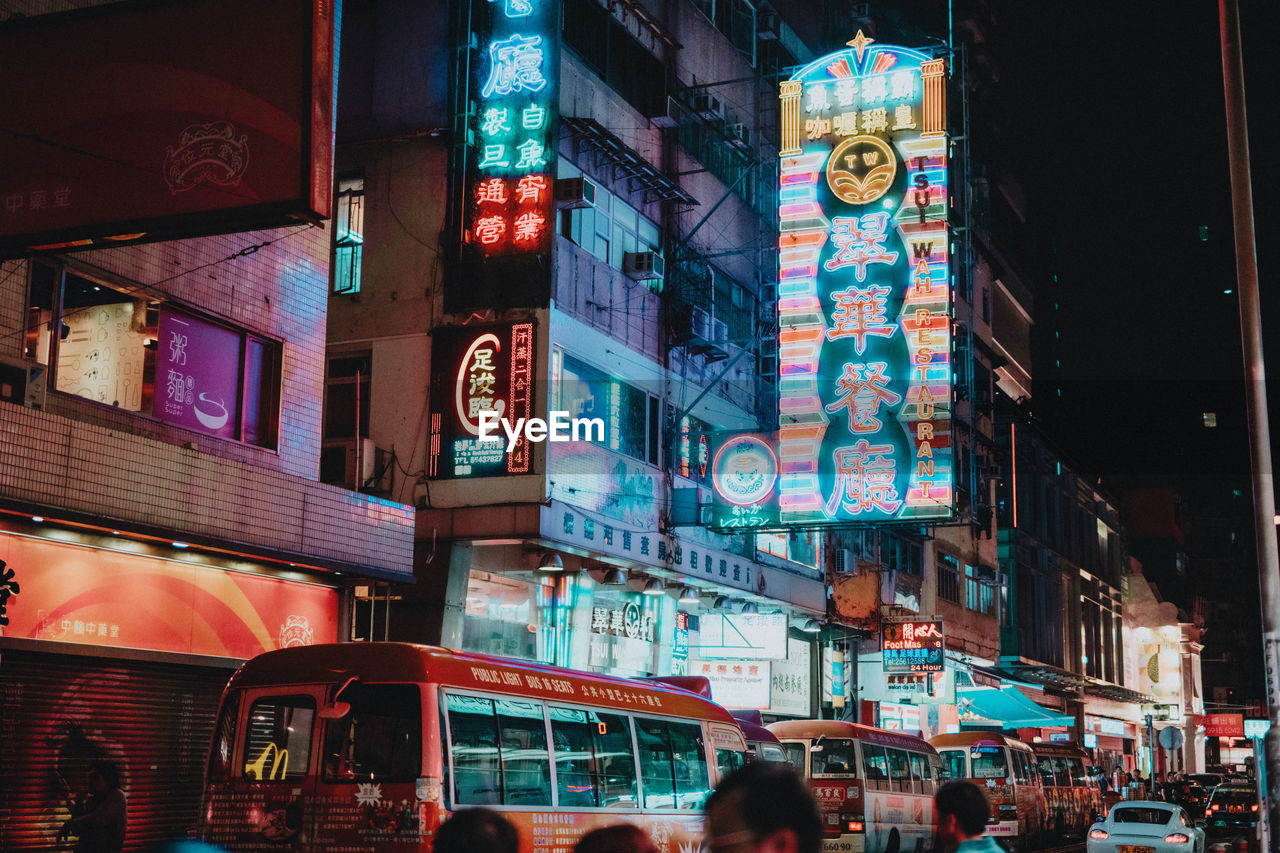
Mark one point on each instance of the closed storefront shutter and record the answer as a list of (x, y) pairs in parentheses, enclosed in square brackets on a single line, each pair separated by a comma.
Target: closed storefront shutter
[(58, 713)]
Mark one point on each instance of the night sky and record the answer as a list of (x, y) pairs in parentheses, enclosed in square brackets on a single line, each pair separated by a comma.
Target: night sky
[(1121, 108)]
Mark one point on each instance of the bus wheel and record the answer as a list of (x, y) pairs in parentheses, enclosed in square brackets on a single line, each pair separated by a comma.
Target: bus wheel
[(1057, 826)]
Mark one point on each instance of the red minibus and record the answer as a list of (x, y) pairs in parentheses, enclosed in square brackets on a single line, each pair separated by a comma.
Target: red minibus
[(361, 746), (1074, 799), (874, 786), (1005, 768)]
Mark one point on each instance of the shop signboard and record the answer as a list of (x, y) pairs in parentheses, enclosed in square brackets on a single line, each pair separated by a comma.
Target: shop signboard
[(913, 646), (1223, 725), (1256, 728), (475, 370), (740, 684), (899, 717), (197, 374), (864, 300), (791, 690), (759, 636)]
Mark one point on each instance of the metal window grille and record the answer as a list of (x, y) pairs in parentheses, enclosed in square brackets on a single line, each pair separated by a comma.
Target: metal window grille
[(948, 579)]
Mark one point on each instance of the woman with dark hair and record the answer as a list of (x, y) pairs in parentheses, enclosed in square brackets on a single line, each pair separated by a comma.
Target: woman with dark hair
[(99, 819)]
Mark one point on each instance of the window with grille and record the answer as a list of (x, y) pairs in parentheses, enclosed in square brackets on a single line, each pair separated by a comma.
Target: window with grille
[(348, 235), (980, 591), (948, 578)]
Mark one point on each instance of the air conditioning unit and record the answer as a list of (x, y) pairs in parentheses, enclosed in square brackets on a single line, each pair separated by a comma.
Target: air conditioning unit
[(643, 266), (708, 106), (362, 464), (739, 136), (574, 193), (701, 323), (844, 561), (22, 382), (664, 111), (767, 26), (719, 331)]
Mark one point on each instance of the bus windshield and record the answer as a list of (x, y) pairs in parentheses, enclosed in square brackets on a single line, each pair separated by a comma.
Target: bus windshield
[(989, 762), (835, 758)]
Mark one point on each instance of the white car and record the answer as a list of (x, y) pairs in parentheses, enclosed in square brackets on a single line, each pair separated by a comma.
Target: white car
[(1144, 826)]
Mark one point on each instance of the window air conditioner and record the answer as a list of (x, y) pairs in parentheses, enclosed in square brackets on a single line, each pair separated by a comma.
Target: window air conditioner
[(574, 193), (701, 323), (22, 382), (664, 112), (844, 561), (643, 266), (708, 106), (719, 331), (739, 136)]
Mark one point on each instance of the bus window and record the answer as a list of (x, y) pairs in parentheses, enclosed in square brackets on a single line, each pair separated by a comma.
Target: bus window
[(953, 765), (875, 767), (692, 783), (1061, 772), (795, 753), (618, 787), (728, 760), (591, 746), (380, 739), (673, 766), (224, 739), (770, 752), (899, 769), (523, 738), (474, 735), (920, 773), (989, 762), (1078, 775), (278, 740), (1045, 768), (837, 758)]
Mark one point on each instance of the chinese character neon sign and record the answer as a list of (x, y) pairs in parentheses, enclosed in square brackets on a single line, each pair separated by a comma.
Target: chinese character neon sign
[(511, 163), (864, 295)]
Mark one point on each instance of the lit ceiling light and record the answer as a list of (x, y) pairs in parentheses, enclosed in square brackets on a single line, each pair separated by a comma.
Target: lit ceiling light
[(688, 595), (653, 587), (178, 544), (614, 577), (811, 626), (37, 518), (721, 602)]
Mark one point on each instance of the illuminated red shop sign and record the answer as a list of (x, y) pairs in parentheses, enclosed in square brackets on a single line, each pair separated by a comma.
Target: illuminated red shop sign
[(915, 646), (479, 370), (1222, 725)]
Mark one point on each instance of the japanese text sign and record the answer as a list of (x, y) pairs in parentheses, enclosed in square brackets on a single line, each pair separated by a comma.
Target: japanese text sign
[(864, 297), (479, 369), (511, 165), (913, 646)]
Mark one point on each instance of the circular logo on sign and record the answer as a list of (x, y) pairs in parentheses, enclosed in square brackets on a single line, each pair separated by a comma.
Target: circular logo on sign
[(861, 169), (744, 470)]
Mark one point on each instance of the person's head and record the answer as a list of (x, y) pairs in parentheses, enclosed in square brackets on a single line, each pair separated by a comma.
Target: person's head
[(619, 838), (961, 811), (474, 830), (103, 776), (764, 807)]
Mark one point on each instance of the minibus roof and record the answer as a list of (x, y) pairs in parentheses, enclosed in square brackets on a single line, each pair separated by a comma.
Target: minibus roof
[(814, 729), (374, 663), (970, 738)]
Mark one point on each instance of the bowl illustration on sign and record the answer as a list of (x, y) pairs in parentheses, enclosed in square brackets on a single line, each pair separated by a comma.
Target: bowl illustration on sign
[(211, 413), (745, 470)]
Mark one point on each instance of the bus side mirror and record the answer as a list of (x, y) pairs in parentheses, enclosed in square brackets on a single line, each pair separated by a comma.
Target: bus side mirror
[(335, 710)]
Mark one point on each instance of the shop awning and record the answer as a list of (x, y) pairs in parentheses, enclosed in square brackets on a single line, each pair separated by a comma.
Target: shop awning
[(1006, 706)]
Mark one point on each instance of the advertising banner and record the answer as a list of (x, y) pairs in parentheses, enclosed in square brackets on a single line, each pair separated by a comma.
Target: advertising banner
[(740, 685), (1223, 725), (864, 300), (197, 374), (479, 369)]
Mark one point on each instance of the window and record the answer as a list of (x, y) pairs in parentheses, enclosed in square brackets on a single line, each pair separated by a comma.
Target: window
[(1045, 766), (796, 753), (380, 738), (673, 765), (604, 45), (129, 348), (798, 546), (224, 738), (989, 762), (899, 769), (980, 589), (837, 758), (499, 752), (346, 393), (278, 738), (875, 767), (348, 235), (953, 764), (1079, 776), (473, 733), (920, 772), (630, 415), (609, 229), (948, 578), (594, 763), (523, 738)]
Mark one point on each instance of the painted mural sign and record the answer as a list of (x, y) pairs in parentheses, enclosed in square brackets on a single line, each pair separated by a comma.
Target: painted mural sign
[(864, 298), (511, 166)]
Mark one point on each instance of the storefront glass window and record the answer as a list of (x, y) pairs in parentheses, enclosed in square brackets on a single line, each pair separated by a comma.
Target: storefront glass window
[(499, 614)]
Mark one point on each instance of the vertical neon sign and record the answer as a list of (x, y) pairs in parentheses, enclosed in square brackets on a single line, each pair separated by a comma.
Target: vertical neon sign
[(511, 165), (864, 295)]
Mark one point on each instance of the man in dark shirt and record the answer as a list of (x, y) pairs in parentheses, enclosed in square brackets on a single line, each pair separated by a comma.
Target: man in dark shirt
[(99, 819)]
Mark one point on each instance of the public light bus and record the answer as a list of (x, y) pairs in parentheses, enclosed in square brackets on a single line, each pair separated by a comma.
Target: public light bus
[(762, 744), (874, 787), (1074, 800), (1005, 769), (362, 746)]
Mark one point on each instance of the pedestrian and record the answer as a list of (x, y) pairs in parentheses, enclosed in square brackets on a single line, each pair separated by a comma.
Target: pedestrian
[(100, 816), (477, 830), (619, 838), (764, 807), (960, 812)]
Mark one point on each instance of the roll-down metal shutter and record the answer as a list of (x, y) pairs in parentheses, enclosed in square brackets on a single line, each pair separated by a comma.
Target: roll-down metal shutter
[(57, 713)]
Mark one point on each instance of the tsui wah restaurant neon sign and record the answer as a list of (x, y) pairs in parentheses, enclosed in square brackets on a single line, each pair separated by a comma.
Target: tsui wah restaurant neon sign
[(864, 295), (475, 370), (511, 165)]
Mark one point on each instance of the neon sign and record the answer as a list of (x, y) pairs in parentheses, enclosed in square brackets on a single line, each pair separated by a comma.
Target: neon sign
[(511, 163), (912, 646), (477, 371), (864, 295)]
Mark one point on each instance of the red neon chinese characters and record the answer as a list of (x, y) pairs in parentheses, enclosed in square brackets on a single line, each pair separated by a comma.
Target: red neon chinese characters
[(489, 229), (531, 188), (494, 190), (862, 388), (859, 312), (864, 479), (860, 242), (529, 226)]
